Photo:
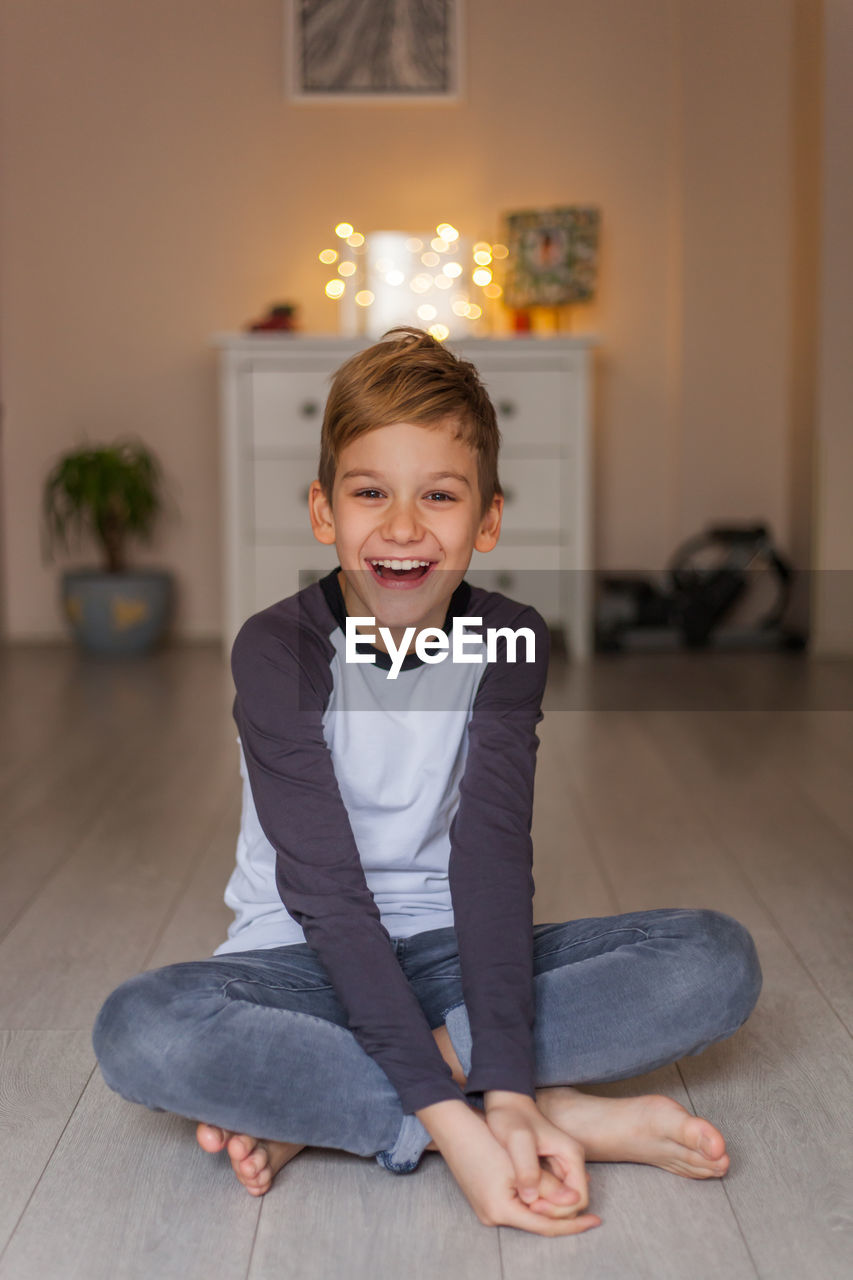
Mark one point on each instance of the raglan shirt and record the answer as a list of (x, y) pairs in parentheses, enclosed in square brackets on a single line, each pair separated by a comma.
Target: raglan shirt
[(355, 862)]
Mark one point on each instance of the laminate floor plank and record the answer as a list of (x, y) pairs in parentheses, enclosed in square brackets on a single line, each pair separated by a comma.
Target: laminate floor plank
[(130, 1194), (98, 915), (199, 920), (42, 1075), (336, 1214), (569, 880), (798, 862)]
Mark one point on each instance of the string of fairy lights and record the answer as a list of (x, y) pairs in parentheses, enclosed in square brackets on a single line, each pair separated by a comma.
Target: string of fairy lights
[(438, 271)]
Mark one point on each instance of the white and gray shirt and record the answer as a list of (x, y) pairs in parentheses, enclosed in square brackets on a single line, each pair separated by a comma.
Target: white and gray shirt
[(377, 808)]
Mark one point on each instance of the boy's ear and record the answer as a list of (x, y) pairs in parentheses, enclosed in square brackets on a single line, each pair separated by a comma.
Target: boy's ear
[(490, 525), (320, 511)]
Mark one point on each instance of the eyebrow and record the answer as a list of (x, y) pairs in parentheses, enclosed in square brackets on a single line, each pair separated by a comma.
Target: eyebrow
[(436, 475)]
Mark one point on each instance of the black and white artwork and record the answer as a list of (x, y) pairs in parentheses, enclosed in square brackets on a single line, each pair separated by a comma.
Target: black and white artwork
[(374, 50)]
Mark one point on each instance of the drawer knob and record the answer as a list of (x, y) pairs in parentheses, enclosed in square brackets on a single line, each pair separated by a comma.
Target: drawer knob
[(309, 408), (507, 408)]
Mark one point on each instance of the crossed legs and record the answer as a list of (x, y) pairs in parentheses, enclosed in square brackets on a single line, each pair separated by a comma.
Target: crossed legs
[(615, 997)]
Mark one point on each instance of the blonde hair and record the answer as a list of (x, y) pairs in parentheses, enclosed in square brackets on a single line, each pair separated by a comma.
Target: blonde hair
[(410, 378)]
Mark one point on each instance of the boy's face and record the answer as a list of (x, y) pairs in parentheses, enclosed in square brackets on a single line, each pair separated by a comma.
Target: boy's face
[(404, 492)]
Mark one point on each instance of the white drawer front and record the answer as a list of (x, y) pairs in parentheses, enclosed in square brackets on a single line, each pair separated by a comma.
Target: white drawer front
[(286, 408), (531, 495), (281, 496), (531, 575), (530, 406)]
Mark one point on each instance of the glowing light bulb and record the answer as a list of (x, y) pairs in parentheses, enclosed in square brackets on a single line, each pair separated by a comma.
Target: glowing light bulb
[(440, 245), (430, 259), (394, 277), (364, 297), (328, 256), (442, 282), (414, 246), (344, 229), (447, 232), (346, 268), (459, 307), (482, 257), (335, 288), (474, 312), (439, 331), (482, 276), (500, 251), (421, 283), (452, 269), (356, 240), (427, 312), (493, 291), (482, 246)]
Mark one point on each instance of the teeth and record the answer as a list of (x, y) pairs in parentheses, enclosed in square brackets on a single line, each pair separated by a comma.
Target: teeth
[(402, 564)]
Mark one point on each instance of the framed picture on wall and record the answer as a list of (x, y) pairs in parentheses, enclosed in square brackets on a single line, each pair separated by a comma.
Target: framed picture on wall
[(373, 51), (553, 256)]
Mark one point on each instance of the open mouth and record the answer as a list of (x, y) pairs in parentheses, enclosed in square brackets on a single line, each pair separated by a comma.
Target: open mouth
[(408, 571)]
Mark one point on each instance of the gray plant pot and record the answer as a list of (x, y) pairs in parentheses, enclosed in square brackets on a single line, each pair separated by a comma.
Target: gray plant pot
[(117, 613)]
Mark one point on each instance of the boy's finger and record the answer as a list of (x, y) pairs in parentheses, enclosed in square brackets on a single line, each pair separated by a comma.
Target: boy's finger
[(574, 1179), (544, 1225), (521, 1147), (557, 1191)]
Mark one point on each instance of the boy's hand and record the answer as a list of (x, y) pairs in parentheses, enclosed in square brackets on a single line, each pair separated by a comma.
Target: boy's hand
[(486, 1174), (526, 1135)]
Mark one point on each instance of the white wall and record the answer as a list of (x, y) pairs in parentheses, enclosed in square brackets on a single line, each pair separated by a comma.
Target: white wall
[(157, 187)]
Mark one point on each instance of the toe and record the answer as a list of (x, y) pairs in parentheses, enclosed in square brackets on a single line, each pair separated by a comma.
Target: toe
[(210, 1138), (254, 1163), (241, 1145), (707, 1140)]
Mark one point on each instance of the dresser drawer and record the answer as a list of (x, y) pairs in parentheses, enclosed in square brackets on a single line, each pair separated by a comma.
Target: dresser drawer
[(532, 575), (280, 487), (530, 405), (286, 408), (531, 495)]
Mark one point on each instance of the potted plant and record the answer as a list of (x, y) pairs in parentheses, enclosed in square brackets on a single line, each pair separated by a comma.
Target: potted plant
[(114, 492)]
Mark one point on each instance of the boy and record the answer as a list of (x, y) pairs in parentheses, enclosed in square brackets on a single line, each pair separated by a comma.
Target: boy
[(383, 989)]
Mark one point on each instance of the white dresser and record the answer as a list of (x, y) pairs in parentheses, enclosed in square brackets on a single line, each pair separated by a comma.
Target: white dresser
[(274, 389)]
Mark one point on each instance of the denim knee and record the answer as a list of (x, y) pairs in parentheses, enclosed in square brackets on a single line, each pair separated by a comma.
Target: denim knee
[(732, 968), (129, 1036)]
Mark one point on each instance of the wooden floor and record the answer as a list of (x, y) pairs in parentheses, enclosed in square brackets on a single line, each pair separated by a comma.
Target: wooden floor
[(716, 781)]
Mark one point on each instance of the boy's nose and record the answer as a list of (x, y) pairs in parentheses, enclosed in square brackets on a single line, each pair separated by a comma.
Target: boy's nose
[(401, 523)]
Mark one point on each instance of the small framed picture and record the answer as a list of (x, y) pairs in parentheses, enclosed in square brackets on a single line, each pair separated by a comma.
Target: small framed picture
[(373, 51), (553, 256)]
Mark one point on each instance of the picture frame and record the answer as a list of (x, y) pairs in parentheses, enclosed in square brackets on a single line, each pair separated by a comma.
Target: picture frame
[(553, 256), (339, 51)]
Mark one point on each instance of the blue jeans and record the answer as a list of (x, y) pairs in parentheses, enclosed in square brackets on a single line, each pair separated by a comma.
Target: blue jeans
[(257, 1041)]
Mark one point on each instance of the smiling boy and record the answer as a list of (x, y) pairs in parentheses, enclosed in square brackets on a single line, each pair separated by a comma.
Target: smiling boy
[(382, 973)]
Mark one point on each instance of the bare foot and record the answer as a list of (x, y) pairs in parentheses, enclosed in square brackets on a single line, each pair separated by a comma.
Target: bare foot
[(255, 1161), (651, 1129)]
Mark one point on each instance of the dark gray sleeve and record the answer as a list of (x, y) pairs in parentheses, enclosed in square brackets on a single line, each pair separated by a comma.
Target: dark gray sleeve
[(283, 682), (491, 860)]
